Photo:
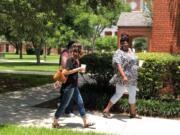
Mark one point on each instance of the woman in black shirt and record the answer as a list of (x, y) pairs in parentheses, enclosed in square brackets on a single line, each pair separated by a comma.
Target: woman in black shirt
[(70, 88)]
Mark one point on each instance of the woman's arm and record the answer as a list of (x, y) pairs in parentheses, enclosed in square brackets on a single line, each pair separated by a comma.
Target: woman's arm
[(121, 71), (68, 72)]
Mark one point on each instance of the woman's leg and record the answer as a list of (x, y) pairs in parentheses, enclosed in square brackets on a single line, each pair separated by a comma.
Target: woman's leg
[(132, 101), (65, 99), (69, 108), (78, 99), (118, 94)]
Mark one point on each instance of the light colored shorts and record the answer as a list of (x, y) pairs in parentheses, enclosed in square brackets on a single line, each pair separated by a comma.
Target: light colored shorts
[(120, 89)]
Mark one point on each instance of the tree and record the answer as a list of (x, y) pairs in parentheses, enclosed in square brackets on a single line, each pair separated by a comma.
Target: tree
[(140, 44), (60, 35), (92, 24), (90, 19), (107, 43), (11, 24), (30, 20)]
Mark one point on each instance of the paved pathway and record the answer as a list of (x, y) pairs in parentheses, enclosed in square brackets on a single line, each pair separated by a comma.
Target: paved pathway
[(16, 107), (27, 61)]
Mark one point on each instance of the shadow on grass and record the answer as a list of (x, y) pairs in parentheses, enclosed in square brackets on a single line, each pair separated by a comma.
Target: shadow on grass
[(3, 126)]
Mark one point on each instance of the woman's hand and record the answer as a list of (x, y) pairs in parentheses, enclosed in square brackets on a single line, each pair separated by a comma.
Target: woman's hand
[(121, 71), (125, 80), (82, 69), (57, 85)]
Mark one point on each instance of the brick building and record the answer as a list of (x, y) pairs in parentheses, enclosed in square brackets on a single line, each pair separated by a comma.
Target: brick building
[(166, 26), (163, 33), (135, 25)]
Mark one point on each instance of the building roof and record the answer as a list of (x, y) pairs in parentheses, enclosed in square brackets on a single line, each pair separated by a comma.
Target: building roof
[(133, 19), (112, 29)]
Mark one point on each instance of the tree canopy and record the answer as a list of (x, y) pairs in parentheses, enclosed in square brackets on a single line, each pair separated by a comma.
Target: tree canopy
[(41, 22)]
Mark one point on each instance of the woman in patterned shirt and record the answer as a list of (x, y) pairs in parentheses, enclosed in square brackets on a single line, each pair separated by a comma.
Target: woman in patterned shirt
[(125, 63)]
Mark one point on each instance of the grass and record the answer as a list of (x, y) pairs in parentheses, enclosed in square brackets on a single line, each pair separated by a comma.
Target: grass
[(15, 57), (24, 66), (26, 63), (18, 130)]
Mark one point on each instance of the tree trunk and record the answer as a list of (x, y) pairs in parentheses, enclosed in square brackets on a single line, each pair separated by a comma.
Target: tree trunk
[(17, 48), (93, 43), (38, 62), (38, 52), (60, 7), (20, 50), (49, 51), (45, 52)]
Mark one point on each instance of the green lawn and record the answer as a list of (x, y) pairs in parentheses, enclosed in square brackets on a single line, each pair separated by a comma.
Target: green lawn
[(15, 57), (24, 66), (18, 130)]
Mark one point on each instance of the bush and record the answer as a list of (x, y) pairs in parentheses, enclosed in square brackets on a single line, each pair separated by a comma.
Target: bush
[(106, 43), (95, 97), (32, 51), (100, 68), (159, 75), (152, 108)]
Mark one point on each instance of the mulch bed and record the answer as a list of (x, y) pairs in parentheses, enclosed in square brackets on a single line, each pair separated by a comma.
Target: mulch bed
[(10, 84)]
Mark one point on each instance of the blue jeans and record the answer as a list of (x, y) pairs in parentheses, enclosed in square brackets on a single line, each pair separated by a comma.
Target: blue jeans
[(69, 108), (69, 92)]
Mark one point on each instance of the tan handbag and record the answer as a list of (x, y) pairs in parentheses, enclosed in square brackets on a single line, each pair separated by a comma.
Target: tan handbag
[(59, 76)]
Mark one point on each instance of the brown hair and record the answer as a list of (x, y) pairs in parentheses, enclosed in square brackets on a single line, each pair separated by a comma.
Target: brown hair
[(76, 47)]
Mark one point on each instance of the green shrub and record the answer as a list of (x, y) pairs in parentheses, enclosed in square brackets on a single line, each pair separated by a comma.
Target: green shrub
[(158, 71), (100, 68), (152, 108), (106, 43), (32, 51), (96, 97)]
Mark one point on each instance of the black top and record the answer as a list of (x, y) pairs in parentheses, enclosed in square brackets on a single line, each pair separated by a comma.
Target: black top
[(72, 78)]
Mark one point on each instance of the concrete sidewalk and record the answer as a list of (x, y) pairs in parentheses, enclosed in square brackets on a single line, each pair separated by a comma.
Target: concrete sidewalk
[(27, 61), (17, 108)]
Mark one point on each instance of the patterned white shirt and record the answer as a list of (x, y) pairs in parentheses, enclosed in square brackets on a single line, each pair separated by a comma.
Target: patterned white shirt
[(128, 61)]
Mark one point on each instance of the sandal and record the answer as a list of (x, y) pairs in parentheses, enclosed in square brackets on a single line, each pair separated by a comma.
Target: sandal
[(89, 125), (106, 115), (55, 125)]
